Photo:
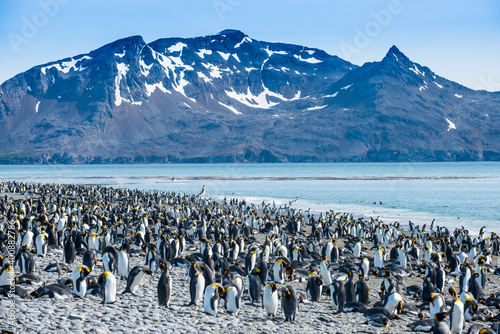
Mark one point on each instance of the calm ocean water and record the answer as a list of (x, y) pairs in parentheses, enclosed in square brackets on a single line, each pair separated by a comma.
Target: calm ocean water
[(455, 194)]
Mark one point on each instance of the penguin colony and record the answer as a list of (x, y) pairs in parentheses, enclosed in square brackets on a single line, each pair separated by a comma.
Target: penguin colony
[(235, 257)]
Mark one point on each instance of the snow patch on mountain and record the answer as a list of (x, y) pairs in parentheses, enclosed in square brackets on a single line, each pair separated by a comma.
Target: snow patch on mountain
[(311, 60), (67, 66), (451, 125), (145, 68), (316, 108), (255, 101), (233, 109), (224, 55), (177, 47), (416, 70), (151, 88), (122, 72), (204, 52), (245, 39)]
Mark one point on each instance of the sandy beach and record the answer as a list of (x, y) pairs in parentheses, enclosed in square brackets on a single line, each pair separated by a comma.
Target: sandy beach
[(141, 312)]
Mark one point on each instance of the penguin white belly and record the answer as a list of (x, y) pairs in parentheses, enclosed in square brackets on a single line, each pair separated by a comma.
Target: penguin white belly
[(210, 302), (110, 289), (7, 277), (457, 318), (122, 265), (105, 261), (325, 275), (270, 302), (136, 282), (200, 285), (39, 242), (80, 288), (231, 297)]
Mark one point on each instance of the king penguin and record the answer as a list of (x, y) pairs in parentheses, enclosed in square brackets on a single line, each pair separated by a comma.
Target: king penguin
[(457, 319), (289, 303), (378, 258), (362, 291), (6, 275), (164, 286), (325, 274), (254, 286), (196, 287), (437, 304), (365, 268), (135, 278), (123, 263), (338, 296), (270, 299), (278, 272), (211, 298), (350, 293), (233, 299), (314, 287), (108, 287), (440, 327), (41, 243), (80, 274)]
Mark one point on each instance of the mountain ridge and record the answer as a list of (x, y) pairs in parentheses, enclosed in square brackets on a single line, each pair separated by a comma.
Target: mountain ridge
[(230, 98)]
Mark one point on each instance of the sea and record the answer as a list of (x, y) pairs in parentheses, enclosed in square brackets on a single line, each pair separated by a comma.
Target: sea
[(455, 194)]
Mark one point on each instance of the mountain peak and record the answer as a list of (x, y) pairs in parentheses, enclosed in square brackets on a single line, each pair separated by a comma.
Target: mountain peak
[(395, 53), (232, 32), (123, 44)]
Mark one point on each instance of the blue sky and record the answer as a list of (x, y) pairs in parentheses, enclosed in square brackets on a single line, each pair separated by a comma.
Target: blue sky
[(459, 40)]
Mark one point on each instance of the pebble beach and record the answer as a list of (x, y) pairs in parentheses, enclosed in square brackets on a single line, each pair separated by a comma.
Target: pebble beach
[(141, 313)]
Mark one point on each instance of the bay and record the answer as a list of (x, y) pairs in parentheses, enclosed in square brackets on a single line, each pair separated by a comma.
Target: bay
[(454, 193)]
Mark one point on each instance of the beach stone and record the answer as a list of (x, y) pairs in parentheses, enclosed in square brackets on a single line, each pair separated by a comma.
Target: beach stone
[(74, 316)]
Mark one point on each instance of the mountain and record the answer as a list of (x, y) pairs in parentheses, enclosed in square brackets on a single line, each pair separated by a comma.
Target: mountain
[(230, 98)]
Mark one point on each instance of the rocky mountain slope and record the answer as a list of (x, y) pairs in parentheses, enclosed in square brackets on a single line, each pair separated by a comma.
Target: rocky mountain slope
[(230, 98)]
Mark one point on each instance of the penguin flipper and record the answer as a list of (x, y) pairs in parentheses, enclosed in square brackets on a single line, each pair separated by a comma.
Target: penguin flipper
[(213, 301)]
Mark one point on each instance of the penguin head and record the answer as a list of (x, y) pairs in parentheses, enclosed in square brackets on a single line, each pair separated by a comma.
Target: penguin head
[(440, 316), (452, 292), (218, 289), (84, 270)]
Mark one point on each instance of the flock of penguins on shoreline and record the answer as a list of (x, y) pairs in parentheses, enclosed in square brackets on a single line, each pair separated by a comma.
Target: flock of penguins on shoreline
[(222, 239)]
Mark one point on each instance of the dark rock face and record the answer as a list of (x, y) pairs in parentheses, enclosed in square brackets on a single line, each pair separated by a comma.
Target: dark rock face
[(230, 98)]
